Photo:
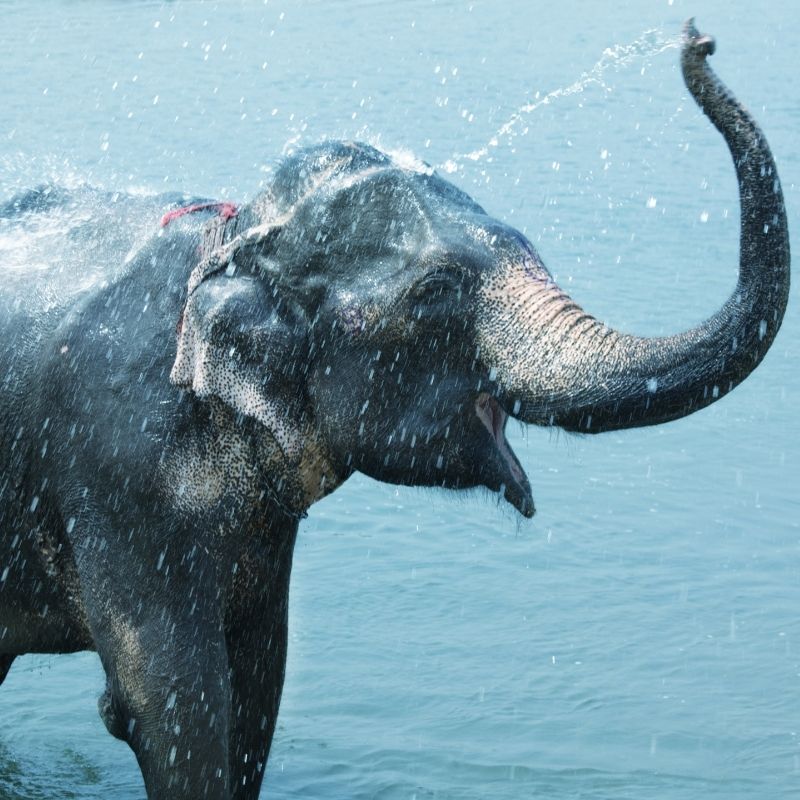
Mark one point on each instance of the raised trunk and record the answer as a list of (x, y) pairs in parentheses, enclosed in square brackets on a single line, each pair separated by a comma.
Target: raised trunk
[(586, 377)]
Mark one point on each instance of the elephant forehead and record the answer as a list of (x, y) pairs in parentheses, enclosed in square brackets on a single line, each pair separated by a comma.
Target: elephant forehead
[(356, 213), (305, 170), (370, 214), (340, 165), (380, 210)]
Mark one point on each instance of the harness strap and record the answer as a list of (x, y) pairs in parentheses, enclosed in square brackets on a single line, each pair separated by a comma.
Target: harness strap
[(224, 209), (217, 232)]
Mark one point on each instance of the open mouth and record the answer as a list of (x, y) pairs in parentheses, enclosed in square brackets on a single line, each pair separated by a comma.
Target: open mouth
[(507, 476)]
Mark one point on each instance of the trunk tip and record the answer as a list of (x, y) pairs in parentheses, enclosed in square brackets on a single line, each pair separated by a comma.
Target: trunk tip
[(695, 42)]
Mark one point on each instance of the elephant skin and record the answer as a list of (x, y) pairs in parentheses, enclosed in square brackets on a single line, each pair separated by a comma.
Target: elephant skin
[(168, 417)]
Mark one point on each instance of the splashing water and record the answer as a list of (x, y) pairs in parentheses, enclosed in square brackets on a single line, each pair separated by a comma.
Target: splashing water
[(651, 43)]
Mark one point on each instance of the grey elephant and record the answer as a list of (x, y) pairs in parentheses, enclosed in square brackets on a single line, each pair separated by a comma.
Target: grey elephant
[(167, 419)]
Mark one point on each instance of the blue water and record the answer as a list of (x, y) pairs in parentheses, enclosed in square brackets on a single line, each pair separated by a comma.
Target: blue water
[(639, 638)]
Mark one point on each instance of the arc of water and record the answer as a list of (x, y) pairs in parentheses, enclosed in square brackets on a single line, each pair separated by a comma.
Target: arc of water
[(650, 43)]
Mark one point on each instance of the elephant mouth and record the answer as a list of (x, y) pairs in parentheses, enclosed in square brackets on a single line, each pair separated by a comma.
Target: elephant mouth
[(504, 473)]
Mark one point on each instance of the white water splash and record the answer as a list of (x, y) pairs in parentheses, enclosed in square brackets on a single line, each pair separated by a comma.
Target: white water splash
[(21, 170), (649, 44)]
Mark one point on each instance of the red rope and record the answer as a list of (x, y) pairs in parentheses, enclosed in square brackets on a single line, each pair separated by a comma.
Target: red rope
[(226, 211)]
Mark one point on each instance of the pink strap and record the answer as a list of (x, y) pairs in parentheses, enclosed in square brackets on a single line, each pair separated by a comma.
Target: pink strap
[(225, 210)]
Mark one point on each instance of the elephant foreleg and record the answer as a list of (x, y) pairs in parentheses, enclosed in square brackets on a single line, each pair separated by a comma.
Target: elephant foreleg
[(169, 699), (111, 714), (257, 661), (162, 646), (5, 666)]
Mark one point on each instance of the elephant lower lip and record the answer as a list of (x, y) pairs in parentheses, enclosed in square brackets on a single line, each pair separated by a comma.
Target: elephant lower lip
[(514, 486)]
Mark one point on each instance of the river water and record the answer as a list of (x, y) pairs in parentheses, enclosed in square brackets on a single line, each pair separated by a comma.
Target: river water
[(639, 637)]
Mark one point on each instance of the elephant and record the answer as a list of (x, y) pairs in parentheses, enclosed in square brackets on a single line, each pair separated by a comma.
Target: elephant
[(167, 417)]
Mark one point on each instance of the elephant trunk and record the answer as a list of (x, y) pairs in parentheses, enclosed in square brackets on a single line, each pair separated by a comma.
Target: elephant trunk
[(558, 365)]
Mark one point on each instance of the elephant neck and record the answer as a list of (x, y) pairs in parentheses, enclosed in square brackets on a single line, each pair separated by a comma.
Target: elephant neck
[(317, 471), (294, 481)]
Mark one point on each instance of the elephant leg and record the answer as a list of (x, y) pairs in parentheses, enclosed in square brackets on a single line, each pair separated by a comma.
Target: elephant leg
[(168, 697), (5, 666), (162, 645), (111, 714), (257, 661)]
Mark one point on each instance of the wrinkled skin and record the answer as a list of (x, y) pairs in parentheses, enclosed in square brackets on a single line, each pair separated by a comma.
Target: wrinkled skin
[(166, 420)]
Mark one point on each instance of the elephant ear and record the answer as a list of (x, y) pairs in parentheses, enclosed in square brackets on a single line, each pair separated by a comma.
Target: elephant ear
[(240, 342)]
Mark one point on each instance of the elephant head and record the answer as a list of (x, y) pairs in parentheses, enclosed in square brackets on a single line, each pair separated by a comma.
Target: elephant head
[(372, 307)]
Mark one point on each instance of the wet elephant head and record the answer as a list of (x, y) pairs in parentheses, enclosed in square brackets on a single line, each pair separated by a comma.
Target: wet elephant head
[(371, 306)]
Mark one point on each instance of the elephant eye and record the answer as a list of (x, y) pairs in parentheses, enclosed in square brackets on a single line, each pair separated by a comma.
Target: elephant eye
[(437, 285)]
